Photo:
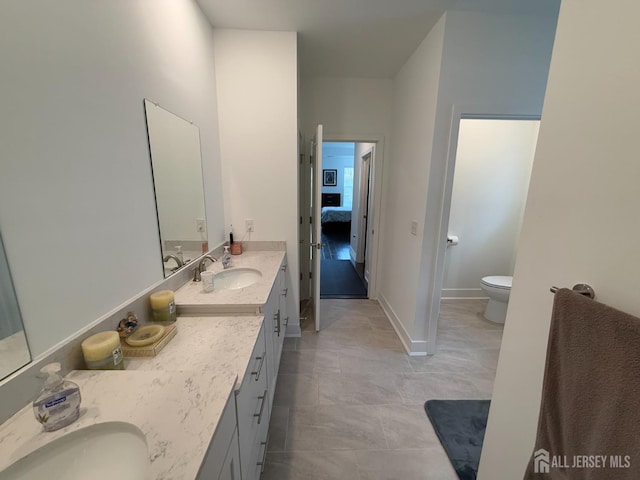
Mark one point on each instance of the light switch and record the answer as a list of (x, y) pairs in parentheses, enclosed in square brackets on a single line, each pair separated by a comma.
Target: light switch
[(414, 228)]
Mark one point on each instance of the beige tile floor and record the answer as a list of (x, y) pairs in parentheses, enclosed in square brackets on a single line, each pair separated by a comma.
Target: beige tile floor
[(349, 401)]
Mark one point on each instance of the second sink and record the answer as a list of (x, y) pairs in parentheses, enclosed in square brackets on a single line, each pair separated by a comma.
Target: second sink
[(102, 451), (235, 278)]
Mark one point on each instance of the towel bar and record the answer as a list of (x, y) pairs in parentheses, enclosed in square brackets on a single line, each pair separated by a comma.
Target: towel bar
[(581, 288)]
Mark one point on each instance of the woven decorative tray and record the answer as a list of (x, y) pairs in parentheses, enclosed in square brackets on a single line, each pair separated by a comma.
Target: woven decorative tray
[(152, 349)]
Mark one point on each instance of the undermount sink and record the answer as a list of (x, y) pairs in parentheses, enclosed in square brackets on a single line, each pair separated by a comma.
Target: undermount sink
[(100, 452), (235, 278)]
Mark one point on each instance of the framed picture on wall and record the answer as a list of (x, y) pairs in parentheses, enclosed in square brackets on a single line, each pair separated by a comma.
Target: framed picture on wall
[(329, 178)]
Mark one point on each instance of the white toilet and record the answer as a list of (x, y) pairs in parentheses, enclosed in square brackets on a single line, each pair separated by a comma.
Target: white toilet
[(497, 289)]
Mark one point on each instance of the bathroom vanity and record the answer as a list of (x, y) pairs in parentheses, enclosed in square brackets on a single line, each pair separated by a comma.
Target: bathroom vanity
[(204, 402)]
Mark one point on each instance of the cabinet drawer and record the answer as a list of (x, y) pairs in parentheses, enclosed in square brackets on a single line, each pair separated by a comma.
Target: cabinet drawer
[(231, 467), (258, 456), (271, 327), (222, 441)]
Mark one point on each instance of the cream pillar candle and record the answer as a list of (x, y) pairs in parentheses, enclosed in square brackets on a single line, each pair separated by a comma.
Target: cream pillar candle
[(102, 351), (163, 306)]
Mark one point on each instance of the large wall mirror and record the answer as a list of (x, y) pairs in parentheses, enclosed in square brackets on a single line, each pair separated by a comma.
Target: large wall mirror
[(14, 350), (174, 144)]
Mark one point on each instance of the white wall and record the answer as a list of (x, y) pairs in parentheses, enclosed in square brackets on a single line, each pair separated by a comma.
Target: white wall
[(338, 163), (257, 105), (492, 171), (492, 64), (77, 209), (350, 109), (414, 113), (358, 107), (580, 217)]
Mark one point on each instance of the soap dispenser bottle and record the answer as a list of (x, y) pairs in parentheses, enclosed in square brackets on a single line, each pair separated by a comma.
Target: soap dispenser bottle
[(226, 258), (58, 404), (179, 253)]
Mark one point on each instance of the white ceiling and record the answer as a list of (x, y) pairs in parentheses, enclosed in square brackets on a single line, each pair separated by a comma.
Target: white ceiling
[(354, 38)]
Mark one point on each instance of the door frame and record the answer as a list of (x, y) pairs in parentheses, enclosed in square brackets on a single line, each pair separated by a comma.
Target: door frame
[(377, 176), (434, 293), (305, 206), (304, 211), (362, 224), (317, 146)]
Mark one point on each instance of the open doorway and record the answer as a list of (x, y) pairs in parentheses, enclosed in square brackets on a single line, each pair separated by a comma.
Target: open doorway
[(493, 162), (358, 241), (345, 201)]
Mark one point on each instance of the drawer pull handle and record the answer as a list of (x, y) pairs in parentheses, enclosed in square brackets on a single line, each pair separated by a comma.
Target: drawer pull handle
[(284, 268), (262, 463), (286, 321), (263, 399), (285, 291), (257, 372)]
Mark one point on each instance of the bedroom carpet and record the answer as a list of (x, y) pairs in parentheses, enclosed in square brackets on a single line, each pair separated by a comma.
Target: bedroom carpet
[(338, 279), (460, 426)]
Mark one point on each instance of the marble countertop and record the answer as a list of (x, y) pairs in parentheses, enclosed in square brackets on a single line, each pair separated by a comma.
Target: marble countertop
[(176, 398), (191, 300), (212, 344)]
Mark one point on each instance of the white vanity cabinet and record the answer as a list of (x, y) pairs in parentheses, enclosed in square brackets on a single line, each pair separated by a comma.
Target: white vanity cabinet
[(255, 398), (280, 293), (284, 298), (255, 394), (270, 312), (275, 326), (252, 401), (222, 461)]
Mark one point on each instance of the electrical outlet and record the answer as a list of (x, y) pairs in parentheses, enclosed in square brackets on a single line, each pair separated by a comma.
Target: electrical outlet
[(249, 225), (200, 224), (414, 228)]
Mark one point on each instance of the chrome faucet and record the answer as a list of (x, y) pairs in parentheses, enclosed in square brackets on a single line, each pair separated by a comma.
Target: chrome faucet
[(178, 261), (201, 267)]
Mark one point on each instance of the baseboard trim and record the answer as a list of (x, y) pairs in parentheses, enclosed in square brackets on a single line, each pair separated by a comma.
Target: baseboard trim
[(415, 348), (462, 299), (463, 293)]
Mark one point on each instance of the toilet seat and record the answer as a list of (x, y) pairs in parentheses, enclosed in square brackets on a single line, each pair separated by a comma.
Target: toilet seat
[(498, 281)]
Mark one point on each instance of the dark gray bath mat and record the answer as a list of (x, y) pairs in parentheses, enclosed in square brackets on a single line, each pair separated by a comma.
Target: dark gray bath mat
[(460, 426)]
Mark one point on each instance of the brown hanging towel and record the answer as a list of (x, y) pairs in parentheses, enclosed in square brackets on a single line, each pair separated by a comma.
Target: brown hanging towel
[(589, 424)]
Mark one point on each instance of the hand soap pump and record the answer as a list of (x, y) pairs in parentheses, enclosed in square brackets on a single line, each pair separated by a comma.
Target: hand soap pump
[(226, 258), (58, 404)]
